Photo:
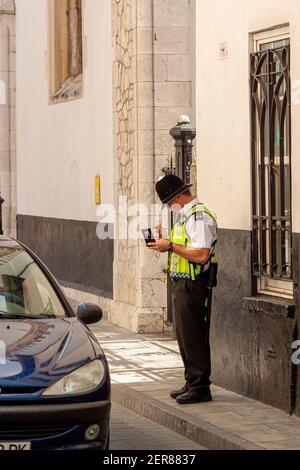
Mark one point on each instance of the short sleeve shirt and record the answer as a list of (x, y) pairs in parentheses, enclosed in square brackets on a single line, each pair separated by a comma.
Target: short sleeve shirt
[(202, 229)]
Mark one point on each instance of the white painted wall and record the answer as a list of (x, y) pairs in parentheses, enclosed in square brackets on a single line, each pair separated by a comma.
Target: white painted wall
[(224, 162), (61, 148)]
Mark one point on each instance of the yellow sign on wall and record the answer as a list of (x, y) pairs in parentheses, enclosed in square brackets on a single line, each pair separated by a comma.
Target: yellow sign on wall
[(98, 190)]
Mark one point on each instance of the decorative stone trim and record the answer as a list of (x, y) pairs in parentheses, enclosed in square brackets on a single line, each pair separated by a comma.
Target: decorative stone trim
[(71, 90), (274, 306)]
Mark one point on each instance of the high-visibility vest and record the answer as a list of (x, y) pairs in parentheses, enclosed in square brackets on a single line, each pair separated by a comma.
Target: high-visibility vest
[(179, 267)]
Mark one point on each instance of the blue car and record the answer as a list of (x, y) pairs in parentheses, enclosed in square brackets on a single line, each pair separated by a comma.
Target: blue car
[(54, 377)]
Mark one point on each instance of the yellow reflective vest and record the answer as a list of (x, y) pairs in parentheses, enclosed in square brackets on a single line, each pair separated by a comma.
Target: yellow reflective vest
[(179, 267)]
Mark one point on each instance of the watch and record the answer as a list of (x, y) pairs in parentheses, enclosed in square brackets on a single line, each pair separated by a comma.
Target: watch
[(170, 249)]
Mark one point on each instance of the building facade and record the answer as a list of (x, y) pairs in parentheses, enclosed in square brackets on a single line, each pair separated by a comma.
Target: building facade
[(7, 115), (97, 95), (153, 84), (99, 85), (248, 114), (65, 137)]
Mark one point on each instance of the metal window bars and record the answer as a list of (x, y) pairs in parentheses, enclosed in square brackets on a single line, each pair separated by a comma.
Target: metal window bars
[(271, 163)]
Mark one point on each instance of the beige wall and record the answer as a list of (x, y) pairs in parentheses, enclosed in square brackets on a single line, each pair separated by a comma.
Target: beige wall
[(61, 148), (224, 171)]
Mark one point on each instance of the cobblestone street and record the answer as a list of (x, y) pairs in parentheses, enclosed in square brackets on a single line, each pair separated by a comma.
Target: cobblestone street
[(130, 431)]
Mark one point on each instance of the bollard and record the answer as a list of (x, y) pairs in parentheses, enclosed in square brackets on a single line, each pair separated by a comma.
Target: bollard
[(184, 135)]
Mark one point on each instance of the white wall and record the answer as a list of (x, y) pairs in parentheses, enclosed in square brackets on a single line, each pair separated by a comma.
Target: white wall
[(61, 148), (223, 103)]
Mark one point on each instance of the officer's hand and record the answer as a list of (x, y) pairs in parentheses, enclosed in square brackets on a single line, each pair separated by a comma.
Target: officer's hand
[(161, 246)]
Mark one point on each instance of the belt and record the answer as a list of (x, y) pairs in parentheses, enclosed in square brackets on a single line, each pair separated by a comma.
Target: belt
[(184, 276)]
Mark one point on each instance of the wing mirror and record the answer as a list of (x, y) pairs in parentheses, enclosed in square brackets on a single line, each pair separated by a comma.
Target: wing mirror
[(89, 313)]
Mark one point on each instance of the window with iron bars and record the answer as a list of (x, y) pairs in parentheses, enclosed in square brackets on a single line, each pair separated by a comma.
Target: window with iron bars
[(271, 164)]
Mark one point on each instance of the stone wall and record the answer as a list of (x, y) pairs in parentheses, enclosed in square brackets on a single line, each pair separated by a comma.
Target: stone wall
[(7, 115), (124, 107)]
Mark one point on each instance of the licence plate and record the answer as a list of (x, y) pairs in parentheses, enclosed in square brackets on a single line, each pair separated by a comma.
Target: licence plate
[(15, 446)]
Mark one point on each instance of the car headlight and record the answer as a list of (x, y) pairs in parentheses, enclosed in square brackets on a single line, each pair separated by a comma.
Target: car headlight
[(83, 380)]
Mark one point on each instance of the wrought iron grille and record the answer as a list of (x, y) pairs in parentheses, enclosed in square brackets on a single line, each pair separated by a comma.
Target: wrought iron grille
[(170, 170), (271, 163)]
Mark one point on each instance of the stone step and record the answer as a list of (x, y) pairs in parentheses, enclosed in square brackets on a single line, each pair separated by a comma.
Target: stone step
[(195, 429)]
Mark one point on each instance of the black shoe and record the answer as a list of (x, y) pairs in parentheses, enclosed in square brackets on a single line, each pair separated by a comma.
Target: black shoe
[(194, 397), (176, 393)]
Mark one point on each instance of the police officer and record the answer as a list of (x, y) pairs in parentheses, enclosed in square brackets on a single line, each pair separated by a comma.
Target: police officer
[(191, 248)]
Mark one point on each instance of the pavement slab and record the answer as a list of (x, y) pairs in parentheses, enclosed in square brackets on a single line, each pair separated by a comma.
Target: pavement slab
[(130, 431)]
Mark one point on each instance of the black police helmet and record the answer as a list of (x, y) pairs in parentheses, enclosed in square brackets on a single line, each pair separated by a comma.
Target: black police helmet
[(170, 187)]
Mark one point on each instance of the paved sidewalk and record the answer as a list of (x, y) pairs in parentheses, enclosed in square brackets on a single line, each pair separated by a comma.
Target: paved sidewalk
[(144, 368), (130, 431)]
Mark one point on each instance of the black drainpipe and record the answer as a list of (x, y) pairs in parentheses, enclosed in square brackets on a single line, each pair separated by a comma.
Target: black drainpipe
[(1, 220), (294, 372)]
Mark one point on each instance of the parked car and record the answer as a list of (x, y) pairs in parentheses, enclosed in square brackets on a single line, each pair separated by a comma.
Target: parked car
[(54, 377)]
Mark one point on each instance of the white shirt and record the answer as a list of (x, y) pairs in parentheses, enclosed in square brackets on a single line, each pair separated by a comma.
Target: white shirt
[(202, 233)]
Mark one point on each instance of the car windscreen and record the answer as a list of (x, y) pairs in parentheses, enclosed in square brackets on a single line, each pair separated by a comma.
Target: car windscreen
[(24, 288)]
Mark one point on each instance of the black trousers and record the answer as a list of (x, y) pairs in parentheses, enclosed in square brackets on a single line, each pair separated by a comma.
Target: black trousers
[(191, 327)]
